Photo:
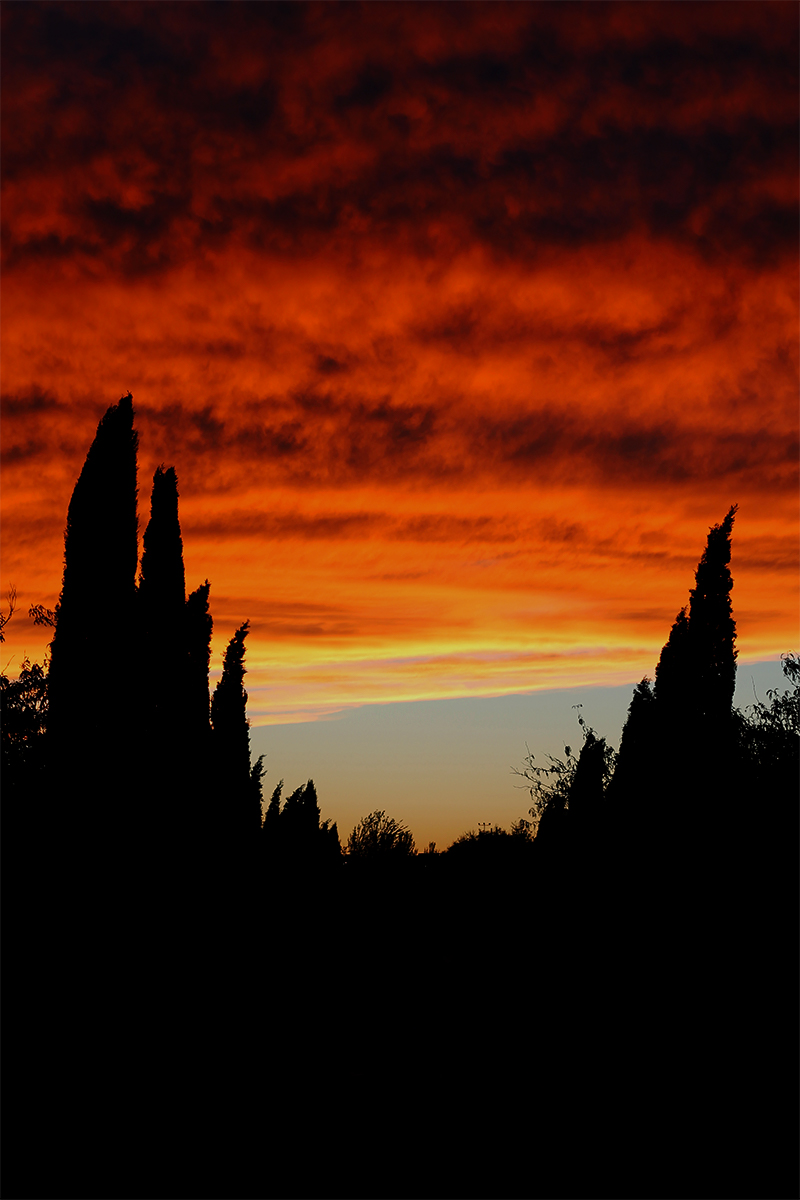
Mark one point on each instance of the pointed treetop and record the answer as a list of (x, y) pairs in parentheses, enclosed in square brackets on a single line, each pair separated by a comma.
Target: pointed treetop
[(672, 671), (101, 537), (713, 577), (95, 608), (711, 624), (233, 659), (230, 698), (162, 580), (697, 670)]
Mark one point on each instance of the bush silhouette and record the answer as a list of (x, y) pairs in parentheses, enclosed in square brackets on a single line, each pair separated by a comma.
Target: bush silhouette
[(378, 838)]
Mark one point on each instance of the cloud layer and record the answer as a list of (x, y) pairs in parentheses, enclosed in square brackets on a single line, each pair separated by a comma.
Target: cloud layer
[(433, 307)]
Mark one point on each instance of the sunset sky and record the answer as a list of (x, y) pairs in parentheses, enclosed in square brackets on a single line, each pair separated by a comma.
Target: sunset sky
[(460, 323)]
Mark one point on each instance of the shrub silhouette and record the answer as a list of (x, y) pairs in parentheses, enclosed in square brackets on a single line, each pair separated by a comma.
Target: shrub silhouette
[(767, 759), (568, 795), (378, 838), (23, 726)]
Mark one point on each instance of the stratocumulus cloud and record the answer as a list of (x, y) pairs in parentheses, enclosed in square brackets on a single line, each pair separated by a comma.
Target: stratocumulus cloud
[(401, 290)]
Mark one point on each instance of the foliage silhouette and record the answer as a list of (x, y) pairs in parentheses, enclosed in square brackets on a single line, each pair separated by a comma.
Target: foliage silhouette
[(163, 698), (257, 773), (199, 627), (492, 855), (568, 795), (180, 771), (23, 727), (238, 805), (378, 839), (294, 835), (301, 813), (549, 786), (6, 617), (674, 671), (162, 587), (712, 629), (273, 812), (155, 644), (94, 638), (43, 616), (677, 747), (696, 674), (767, 758)]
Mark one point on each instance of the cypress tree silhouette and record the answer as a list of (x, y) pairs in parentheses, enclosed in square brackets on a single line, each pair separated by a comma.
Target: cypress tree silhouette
[(237, 808), (631, 815), (677, 749), (696, 674), (712, 629), (199, 627), (674, 669), (300, 825), (294, 837), (272, 816), (163, 683), (94, 647), (199, 765), (695, 681), (257, 773), (587, 793), (162, 589)]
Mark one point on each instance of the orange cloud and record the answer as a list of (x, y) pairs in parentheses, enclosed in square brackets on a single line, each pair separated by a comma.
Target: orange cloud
[(459, 323)]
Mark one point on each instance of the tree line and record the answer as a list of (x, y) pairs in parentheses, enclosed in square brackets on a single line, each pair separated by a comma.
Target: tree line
[(119, 738)]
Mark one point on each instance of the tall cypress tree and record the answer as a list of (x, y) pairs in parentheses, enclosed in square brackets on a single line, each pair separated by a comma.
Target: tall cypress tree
[(164, 668), (675, 753), (198, 775), (162, 589), (587, 793), (300, 820), (675, 668), (273, 813), (237, 813), (712, 629), (198, 625), (93, 657), (696, 674)]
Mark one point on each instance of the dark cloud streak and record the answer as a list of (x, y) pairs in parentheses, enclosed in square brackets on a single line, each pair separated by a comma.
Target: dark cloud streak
[(178, 128)]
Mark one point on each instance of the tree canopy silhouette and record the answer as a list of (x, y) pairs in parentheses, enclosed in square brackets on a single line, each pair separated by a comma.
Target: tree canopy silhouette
[(378, 838), (294, 834), (94, 640), (143, 767), (677, 741), (238, 810), (23, 727), (568, 795)]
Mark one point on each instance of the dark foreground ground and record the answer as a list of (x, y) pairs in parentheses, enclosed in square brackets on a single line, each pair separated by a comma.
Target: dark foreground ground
[(568, 1031)]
